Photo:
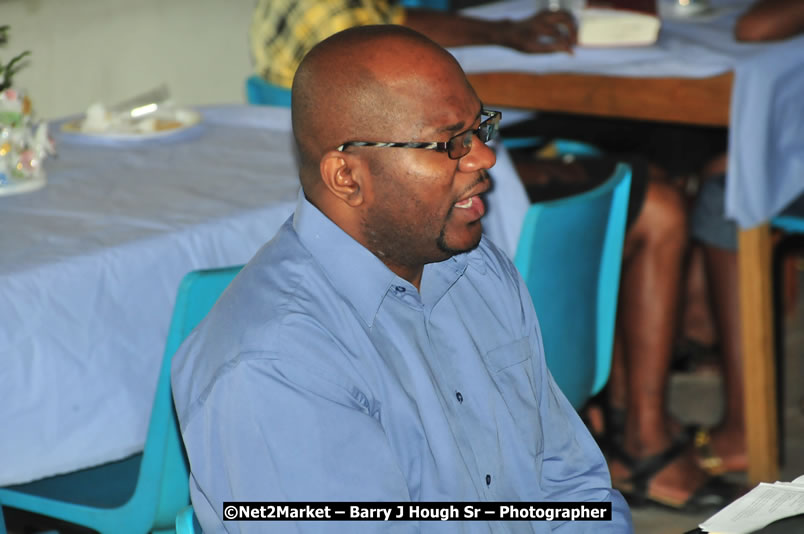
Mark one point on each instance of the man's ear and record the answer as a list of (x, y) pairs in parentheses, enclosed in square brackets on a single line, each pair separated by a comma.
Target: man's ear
[(344, 174)]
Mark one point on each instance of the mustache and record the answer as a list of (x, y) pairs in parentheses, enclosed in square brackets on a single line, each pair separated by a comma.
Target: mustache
[(482, 177)]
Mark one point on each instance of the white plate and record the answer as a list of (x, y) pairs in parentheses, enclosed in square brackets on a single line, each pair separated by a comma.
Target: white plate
[(167, 125), (14, 187)]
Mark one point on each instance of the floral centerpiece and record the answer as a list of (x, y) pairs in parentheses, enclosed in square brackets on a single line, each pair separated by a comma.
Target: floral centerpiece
[(24, 142)]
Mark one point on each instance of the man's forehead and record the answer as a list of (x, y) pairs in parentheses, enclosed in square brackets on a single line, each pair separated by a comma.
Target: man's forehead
[(452, 118), (464, 123)]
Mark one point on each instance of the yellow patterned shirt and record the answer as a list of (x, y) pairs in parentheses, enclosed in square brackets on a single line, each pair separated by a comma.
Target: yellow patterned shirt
[(283, 31)]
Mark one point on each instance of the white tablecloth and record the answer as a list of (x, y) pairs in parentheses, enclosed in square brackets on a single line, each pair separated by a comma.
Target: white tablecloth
[(89, 270), (766, 159), (90, 266)]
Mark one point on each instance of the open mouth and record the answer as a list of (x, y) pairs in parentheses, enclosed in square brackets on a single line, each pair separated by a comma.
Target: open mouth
[(472, 207), (465, 203)]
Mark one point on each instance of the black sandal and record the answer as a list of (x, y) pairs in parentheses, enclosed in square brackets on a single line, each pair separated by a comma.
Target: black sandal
[(614, 436), (714, 494)]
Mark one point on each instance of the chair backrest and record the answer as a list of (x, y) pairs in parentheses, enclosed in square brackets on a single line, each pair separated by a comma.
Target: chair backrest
[(261, 93), (164, 465), (569, 253), (789, 223), (438, 5)]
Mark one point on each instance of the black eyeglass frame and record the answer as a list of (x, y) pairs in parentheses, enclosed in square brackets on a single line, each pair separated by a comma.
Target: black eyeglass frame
[(456, 146)]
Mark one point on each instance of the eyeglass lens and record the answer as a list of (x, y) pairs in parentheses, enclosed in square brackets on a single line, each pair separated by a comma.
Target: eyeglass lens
[(459, 145)]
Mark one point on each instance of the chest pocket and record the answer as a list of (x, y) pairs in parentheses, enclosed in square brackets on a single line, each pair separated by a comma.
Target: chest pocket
[(517, 380), (508, 355), (512, 370)]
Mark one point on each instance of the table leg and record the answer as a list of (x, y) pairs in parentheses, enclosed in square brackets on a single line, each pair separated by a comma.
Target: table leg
[(759, 378)]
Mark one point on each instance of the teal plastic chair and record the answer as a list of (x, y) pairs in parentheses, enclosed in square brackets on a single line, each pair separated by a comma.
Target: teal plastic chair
[(261, 93), (437, 5), (564, 147), (789, 223), (187, 522), (569, 254), (142, 493)]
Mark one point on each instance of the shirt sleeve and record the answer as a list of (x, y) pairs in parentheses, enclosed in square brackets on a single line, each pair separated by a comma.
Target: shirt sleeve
[(574, 469), (277, 430)]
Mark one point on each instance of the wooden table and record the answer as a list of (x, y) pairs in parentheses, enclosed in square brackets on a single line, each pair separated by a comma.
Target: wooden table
[(700, 101)]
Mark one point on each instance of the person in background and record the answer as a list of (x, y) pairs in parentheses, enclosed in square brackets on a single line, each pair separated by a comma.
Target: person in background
[(379, 348), (283, 31), (771, 20), (724, 448), (651, 457)]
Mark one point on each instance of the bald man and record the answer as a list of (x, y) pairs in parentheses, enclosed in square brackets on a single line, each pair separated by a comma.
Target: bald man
[(379, 348)]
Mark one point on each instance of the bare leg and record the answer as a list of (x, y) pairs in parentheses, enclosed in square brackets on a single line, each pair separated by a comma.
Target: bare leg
[(697, 316), (648, 307), (729, 439), (618, 380), (697, 322)]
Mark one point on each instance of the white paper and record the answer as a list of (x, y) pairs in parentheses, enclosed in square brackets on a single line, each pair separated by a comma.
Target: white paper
[(761, 506)]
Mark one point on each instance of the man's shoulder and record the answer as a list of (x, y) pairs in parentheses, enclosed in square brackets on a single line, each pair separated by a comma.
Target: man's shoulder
[(283, 280), (268, 312)]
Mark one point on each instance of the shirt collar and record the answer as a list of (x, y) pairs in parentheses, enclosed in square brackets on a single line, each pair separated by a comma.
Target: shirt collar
[(357, 274)]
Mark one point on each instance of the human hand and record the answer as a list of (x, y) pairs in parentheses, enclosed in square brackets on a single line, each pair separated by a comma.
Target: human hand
[(546, 31)]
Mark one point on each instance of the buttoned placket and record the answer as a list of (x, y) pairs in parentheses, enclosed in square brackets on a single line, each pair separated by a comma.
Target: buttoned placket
[(458, 408)]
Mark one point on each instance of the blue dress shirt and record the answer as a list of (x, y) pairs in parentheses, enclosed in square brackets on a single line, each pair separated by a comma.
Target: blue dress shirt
[(320, 375)]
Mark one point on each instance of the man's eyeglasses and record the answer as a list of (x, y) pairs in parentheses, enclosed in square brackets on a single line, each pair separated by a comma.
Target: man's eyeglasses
[(458, 145)]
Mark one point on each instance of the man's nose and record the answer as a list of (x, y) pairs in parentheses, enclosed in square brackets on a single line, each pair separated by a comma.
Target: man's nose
[(481, 156)]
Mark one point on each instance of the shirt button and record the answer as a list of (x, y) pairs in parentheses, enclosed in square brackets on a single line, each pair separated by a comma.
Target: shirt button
[(488, 480), (399, 289), (459, 396)]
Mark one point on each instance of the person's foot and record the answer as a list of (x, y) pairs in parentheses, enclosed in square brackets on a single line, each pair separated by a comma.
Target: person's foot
[(676, 481), (671, 477), (721, 451)]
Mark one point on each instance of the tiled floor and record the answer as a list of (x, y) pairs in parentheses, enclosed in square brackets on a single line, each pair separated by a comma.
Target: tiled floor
[(689, 392)]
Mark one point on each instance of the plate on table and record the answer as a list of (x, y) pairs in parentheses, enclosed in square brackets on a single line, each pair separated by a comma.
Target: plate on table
[(16, 186), (164, 123)]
